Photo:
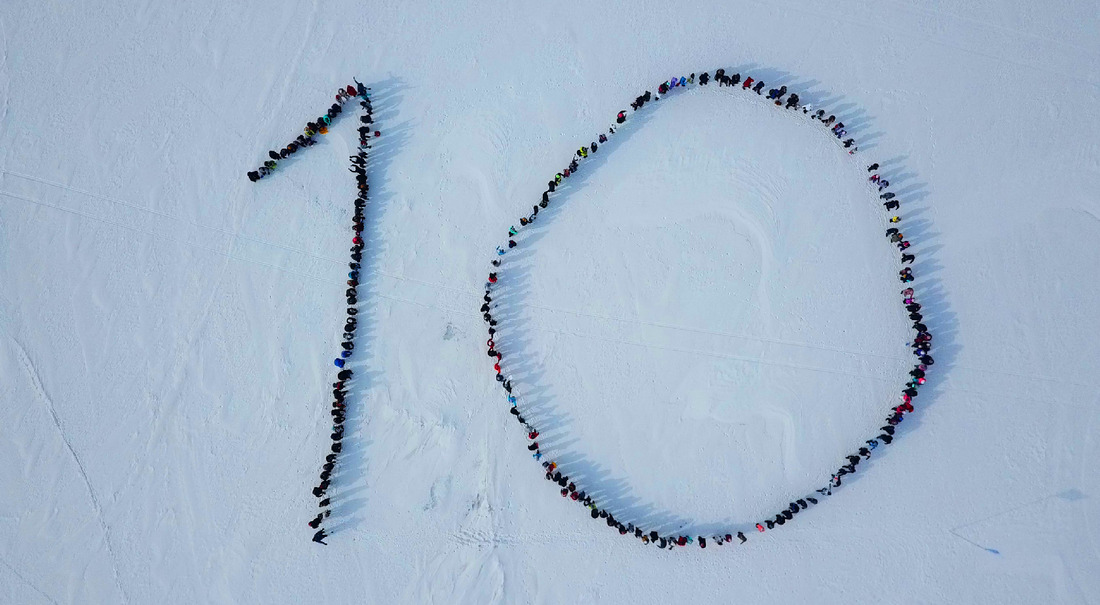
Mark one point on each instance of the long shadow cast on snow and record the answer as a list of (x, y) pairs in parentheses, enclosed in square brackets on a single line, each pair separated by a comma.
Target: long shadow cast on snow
[(613, 493), (929, 292), (350, 476)]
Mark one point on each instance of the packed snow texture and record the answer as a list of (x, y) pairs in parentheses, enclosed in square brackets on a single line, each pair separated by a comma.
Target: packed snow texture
[(708, 320)]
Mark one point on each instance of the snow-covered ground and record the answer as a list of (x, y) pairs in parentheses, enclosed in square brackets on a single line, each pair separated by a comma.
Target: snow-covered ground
[(707, 321)]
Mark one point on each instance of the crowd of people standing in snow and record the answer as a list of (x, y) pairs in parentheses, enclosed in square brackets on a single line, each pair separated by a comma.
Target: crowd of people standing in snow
[(359, 163), (921, 344)]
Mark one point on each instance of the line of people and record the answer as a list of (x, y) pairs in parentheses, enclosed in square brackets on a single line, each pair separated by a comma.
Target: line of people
[(359, 163), (311, 130), (921, 344)]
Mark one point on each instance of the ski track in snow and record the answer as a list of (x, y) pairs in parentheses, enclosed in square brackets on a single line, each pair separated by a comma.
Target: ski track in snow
[(5, 82), (16, 573), (36, 383), (1085, 468)]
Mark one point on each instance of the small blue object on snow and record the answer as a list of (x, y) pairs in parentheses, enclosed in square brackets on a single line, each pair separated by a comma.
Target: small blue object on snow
[(339, 362), (345, 355)]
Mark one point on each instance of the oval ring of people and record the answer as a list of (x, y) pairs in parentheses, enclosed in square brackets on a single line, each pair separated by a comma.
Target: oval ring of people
[(921, 345)]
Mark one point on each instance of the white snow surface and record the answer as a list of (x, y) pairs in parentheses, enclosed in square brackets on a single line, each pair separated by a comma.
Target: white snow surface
[(703, 324)]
